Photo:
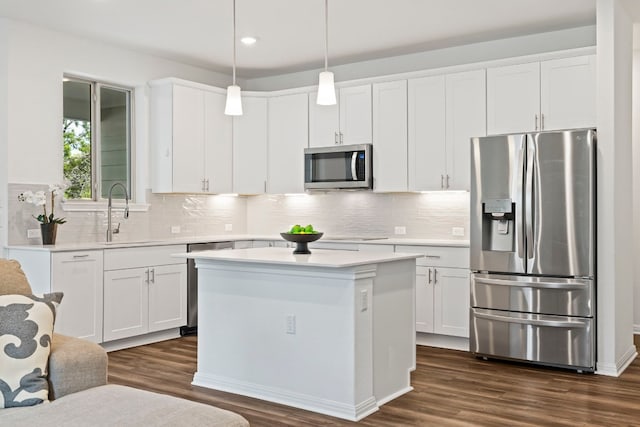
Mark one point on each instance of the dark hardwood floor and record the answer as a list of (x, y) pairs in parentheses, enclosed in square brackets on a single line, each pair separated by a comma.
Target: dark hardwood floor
[(451, 388)]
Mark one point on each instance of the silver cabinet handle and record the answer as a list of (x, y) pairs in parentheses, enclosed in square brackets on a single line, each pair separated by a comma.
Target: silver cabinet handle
[(433, 256), (435, 275), (153, 275), (80, 256), (548, 323), (429, 276), (447, 180), (146, 273), (441, 181), (335, 138), (341, 138), (354, 173), (536, 122), (541, 121)]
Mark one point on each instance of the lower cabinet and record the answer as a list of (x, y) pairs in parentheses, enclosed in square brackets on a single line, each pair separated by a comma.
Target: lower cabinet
[(442, 290), (145, 290)]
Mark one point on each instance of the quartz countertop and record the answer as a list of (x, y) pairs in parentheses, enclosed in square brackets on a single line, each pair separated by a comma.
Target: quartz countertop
[(67, 247), (285, 256)]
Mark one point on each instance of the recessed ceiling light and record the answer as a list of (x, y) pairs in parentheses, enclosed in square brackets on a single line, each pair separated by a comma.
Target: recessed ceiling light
[(248, 40)]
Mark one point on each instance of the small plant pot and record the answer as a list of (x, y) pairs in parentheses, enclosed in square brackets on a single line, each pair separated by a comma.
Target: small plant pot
[(48, 231)]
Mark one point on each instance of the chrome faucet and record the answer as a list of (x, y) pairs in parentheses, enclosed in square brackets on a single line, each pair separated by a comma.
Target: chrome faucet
[(110, 231)]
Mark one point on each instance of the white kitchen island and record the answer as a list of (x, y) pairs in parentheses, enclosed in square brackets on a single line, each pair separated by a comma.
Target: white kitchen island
[(331, 332)]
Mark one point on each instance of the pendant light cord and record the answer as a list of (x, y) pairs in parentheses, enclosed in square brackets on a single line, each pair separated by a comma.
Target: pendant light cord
[(234, 42), (326, 33)]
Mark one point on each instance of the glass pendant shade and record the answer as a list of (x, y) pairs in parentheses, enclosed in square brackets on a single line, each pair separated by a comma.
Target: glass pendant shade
[(233, 106), (326, 89)]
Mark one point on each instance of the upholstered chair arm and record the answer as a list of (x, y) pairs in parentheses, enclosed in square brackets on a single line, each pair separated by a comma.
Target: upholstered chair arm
[(75, 365)]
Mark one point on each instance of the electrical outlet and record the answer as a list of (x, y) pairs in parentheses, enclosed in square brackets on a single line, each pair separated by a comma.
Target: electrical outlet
[(400, 229), (228, 227), (175, 229), (33, 233), (457, 231), (364, 300), (291, 324)]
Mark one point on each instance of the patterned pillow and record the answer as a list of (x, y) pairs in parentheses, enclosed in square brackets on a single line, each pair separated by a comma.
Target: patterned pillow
[(26, 327)]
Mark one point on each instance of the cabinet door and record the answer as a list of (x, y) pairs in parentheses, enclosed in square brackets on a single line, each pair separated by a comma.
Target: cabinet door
[(188, 139), (324, 122), (426, 119), (218, 145), (288, 137), (355, 115), (79, 276), (424, 299), (167, 297), (451, 299), (568, 93), (250, 147), (465, 118), (126, 297), (513, 98), (390, 136)]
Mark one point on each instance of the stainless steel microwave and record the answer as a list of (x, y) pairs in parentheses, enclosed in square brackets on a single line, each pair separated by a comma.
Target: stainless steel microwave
[(338, 167)]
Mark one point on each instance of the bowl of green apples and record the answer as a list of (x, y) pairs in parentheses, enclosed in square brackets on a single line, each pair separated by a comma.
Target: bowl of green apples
[(301, 236)]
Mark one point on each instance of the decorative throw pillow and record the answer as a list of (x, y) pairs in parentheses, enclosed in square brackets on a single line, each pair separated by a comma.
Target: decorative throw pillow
[(26, 328), (12, 278)]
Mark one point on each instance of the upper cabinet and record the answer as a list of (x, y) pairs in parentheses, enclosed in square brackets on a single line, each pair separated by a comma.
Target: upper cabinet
[(444, 113), (390, 136), (547, 95), (288, 137), (250, 147), (190, 140), (347, 122)]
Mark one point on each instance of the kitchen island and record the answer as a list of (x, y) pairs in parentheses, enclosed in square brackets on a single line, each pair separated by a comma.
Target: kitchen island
[(331, 332)]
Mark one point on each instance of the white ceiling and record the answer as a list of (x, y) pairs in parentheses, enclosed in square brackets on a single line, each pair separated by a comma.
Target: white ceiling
[(291, 32)]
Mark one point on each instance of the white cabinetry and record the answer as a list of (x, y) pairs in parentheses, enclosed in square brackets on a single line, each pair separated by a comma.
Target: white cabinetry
[(547, 95), (78, 275), (390, 136), (444, 113), (347, 122), (288, 137), (442, 290), (190, 139), (250, 147), (145, 290)]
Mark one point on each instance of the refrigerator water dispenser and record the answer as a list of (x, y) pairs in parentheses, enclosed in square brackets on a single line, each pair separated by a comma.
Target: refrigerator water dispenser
[(498, 221)]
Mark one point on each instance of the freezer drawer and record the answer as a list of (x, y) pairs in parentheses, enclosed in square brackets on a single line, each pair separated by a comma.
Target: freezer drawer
[(545, 295), (549, 340)]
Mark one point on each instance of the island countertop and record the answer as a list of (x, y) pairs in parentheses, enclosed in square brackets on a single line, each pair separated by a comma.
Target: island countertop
[(285, 256)]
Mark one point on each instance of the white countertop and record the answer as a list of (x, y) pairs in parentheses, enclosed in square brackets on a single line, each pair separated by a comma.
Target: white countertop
[(285, 256), (67, 247)]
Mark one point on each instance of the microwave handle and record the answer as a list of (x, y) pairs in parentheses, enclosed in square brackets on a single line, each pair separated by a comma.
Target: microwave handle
[(354, 172)]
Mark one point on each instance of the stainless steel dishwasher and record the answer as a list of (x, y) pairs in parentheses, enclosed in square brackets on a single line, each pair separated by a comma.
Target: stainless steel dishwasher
[(192, 284)]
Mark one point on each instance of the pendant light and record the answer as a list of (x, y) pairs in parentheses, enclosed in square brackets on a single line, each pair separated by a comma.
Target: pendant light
[(326, 88), (233, 106)]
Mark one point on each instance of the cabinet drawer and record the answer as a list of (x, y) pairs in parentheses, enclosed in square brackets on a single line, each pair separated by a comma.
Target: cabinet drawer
[(116, 259), (439, 256)]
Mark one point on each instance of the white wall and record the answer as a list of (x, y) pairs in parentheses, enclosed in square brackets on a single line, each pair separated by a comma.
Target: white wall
[(37, 59), (4, 108), (636, 179), (467, 54), (615, 266)]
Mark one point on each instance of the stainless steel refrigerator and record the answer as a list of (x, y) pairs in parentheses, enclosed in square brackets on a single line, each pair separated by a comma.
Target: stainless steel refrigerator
[(533, 225)]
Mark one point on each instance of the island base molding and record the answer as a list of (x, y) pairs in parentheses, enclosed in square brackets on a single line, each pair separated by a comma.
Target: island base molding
[(342, 410)]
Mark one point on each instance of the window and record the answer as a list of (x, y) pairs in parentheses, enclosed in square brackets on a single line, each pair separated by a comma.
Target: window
[(97, 139)]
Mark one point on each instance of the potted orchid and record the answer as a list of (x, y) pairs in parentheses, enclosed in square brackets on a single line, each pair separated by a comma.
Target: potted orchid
[(48, 222)]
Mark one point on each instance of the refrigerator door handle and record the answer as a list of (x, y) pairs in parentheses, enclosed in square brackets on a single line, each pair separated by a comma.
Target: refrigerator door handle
[(577, 323), (529, 196), (545, 285), (520, 215)]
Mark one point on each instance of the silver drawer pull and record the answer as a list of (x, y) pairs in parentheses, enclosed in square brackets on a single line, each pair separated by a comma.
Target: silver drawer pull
[(547, 323), (542, 285), (433, 256), (80, 256)]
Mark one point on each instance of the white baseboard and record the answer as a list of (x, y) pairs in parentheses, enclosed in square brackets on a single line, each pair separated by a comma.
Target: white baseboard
[(442, 341), (169, 334)]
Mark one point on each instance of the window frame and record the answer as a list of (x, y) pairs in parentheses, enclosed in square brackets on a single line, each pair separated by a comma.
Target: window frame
[(97, 201)]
